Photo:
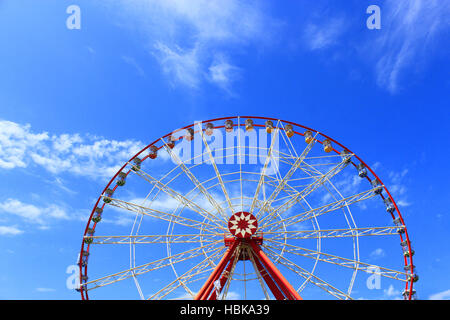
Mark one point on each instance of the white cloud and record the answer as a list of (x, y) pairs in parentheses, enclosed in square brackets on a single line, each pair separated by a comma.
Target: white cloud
[(409, 30), (88, 156), (391, 292), (444, 295), (8, 230), (185, 36), (377, 253), (31, 213), (182, 66), (398, 188), (45, 289), (132, 62), (324, 35), (233, 295), (222, 73), (15, 140)]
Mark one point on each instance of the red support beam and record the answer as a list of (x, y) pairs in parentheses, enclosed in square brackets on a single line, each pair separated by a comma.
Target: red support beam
[(289, 292), (280, 287), (225, 277), (270, 283), (209, 284)]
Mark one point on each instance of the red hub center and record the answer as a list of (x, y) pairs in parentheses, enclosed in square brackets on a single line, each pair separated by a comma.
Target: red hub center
[(242, 225)]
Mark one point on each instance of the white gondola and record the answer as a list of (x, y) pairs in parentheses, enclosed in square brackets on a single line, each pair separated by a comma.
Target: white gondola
[(98, 215), (362, 171), (346, 156), (269, 126), (289, 130), (376, 185), (121, 177), (171, 142), (209, 129), (398, 221), (153, 153), (406, 293), (308, 136), (249, 125), (108, 195), (189, 136), (327, 147), (229, 125), (389, 205), (137, 164)]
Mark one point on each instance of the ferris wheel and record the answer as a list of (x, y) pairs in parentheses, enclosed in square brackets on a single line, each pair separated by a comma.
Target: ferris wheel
[(245, 208)]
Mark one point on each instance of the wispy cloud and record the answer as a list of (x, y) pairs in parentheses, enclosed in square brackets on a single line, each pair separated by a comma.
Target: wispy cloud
[(443, 295), (9, 231), (410, 29), (132, 62), (222, 73), (32, 213), (391, 292), (45, 290), (181, 65), (324, 34), (378, 253), (186, 36), (397, 187)]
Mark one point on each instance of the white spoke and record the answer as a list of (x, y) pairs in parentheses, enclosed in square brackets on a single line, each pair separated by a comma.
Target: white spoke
[(197, 183), (196, 270), (151, 239), (332, 233), (154, 265), (258, 274), (230, 274), (307, 275), (344, 262), (286, 178), (179, 197), (162, 215), (308, 190), (295, 219), (266, 163), (213, 162)]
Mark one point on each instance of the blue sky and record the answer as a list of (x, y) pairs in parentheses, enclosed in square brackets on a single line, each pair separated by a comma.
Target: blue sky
[(76, 104)]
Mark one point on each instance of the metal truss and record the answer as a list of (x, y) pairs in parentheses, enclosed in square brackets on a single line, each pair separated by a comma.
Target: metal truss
[(337, 260), (145, 268)]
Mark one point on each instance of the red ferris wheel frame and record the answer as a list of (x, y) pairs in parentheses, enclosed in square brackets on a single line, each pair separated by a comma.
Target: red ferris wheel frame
[(279, 286)]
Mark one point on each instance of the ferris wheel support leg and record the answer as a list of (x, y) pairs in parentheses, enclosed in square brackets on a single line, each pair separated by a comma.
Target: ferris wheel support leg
[(223, 280), (209, 284), (270, 283), (288, 291)]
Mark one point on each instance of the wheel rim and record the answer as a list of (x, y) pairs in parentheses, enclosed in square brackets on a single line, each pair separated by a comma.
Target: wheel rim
[(276, 248)]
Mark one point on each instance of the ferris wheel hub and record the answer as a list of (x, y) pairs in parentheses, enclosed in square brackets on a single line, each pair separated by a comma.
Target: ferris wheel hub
[(242, 225)]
